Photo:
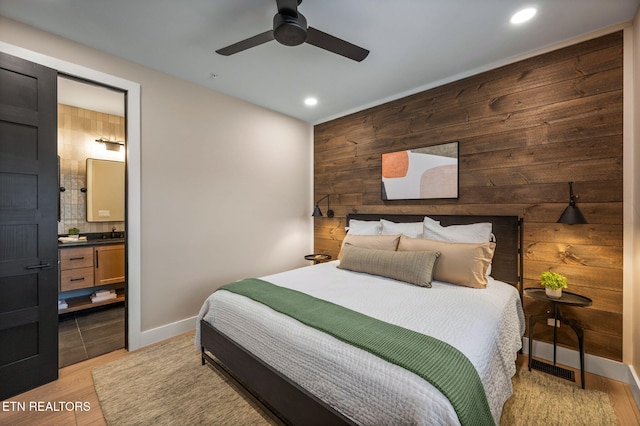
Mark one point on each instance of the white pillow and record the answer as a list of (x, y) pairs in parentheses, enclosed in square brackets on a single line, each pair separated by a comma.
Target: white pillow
[(412, 229), (364, 227), (472, 233)]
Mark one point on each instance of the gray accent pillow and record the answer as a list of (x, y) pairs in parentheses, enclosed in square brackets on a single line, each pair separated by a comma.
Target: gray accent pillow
[(415, 267)]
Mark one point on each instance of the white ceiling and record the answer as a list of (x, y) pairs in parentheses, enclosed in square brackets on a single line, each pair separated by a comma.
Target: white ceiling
[(414, 44)]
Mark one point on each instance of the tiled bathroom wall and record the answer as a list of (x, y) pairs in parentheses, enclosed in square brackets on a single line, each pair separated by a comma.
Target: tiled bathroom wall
[(78, 130)]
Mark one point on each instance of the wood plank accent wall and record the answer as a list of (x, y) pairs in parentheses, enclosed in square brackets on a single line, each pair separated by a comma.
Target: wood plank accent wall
[(525, 130)]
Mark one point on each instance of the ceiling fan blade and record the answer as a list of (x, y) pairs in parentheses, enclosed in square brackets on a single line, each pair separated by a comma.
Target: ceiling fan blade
[(246, 44), (334, 44), (289, 7)]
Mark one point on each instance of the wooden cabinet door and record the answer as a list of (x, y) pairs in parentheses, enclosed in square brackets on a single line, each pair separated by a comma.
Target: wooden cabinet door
[(109, 265)]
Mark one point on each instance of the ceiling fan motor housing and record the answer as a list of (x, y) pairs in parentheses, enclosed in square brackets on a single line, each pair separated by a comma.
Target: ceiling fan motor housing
[(290, 30)]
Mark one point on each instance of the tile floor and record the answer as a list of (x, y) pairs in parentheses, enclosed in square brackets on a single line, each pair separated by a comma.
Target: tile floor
[(87, 334)]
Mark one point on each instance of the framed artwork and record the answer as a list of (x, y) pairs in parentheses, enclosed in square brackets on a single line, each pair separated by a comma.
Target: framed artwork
[(422, 173)]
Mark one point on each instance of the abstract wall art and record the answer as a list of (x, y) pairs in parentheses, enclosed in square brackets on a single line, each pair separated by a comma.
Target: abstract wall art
[(422, 173)]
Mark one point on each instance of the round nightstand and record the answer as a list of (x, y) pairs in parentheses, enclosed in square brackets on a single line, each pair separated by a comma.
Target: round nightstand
[(567, 299), (318, 257)]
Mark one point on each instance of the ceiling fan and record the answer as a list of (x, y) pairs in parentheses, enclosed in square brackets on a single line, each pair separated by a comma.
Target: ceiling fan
[(290, 28)]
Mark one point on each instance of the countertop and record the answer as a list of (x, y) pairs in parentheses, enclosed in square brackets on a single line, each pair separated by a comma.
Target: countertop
[(96, 239)]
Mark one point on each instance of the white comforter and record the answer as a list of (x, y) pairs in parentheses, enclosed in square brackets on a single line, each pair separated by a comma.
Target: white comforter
[(485, 324)]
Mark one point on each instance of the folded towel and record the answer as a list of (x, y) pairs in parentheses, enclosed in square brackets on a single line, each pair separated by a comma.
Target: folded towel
[(62, 304), (102, 298)]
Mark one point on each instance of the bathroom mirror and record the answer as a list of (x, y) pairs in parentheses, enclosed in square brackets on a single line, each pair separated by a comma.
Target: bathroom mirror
[(105, 190)]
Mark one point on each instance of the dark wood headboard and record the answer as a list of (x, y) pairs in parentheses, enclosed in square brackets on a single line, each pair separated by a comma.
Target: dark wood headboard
[(508, 257)]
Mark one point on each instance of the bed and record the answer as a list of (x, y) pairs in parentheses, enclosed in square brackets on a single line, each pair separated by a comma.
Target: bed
[(306, 376)]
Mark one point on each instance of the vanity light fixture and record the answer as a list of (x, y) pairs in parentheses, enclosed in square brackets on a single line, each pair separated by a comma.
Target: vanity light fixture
[(318, 213), (523, 15), (572, 215), (109, 144)]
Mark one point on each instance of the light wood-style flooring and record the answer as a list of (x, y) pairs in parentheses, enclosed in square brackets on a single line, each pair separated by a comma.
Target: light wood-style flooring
[(620, 393), (75, 384)]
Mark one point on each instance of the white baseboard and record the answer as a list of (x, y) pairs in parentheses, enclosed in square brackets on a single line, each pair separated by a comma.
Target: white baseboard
[(593, 364), (167, 331), (634, 384)]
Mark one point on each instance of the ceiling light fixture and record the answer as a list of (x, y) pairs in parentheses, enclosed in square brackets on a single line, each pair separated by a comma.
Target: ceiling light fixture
[(310, 101), (523, 15)]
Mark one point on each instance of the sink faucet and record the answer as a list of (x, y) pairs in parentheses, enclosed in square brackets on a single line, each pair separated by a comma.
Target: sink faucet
[(113, 232)]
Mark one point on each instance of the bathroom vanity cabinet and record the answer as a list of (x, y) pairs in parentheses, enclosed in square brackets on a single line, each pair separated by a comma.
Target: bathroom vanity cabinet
[(85, 269)]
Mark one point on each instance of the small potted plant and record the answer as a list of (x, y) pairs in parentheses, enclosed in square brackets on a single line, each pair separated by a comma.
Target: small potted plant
[(553, 283), (74, 233)]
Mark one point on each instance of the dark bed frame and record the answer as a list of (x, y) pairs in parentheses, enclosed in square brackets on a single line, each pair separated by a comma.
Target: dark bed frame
[(294, 405)]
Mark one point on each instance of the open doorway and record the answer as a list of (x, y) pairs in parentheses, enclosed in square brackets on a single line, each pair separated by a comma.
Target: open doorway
[(91, 227)]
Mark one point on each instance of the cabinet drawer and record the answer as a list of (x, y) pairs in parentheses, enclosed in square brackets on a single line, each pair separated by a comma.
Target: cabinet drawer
[(76, 278), (71, 258)]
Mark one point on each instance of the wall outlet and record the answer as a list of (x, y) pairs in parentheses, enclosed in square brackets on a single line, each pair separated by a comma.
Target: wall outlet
[(550, 322)]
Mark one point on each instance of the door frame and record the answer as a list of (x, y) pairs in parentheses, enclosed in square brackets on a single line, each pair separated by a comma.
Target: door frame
[(133, 215)]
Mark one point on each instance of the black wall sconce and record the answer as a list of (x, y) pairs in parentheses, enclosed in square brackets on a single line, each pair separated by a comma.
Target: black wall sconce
[(572, 215), (317, 212)]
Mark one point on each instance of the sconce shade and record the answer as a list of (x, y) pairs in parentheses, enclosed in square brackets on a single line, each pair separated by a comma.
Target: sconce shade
[(572, 214), (317, 212)]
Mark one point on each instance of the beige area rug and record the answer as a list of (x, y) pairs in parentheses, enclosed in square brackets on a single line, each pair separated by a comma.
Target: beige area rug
[(166, 385), (541, 399)]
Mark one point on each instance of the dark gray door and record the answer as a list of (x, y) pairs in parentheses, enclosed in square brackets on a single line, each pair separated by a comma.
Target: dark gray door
[(28, 226)]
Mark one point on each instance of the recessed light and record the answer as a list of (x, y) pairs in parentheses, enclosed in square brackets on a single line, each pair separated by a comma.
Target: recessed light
[(310, 101), (523, 15)]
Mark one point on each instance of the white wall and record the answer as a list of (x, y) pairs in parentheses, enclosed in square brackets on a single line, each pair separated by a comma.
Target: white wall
[(632, 322), (631, 164), (225, 186)]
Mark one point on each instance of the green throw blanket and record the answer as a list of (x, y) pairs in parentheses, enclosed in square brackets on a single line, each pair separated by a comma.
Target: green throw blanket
[(439, 363)]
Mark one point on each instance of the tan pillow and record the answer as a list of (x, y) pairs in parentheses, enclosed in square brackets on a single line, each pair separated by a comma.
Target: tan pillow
[(415, 267), (378, 242), (463, 264)]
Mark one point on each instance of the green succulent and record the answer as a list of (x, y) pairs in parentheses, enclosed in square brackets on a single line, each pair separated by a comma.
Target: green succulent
[(553, 280), (74, 231)]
